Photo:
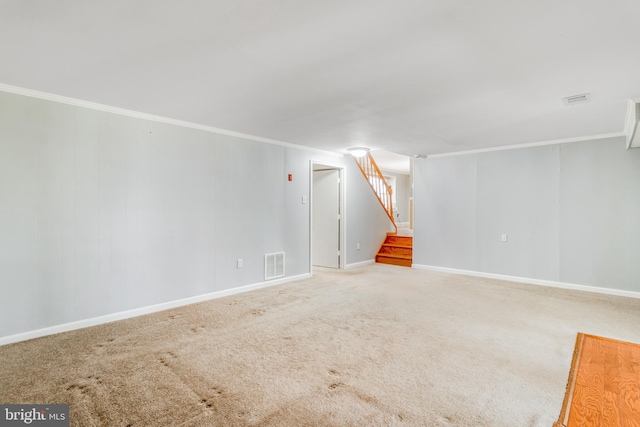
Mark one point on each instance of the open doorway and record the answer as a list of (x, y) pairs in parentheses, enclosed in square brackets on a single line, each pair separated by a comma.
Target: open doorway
[(398, 173), (326, 215)]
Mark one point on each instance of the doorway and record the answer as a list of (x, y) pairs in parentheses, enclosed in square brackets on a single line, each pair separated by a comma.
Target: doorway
[(326, 216)]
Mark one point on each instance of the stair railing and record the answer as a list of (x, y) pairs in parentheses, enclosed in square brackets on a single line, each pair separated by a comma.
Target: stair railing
[(377, 182)]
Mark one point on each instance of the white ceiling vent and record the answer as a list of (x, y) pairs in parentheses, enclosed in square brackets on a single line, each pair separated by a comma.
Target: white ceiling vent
[(273, 265), (577, 99)]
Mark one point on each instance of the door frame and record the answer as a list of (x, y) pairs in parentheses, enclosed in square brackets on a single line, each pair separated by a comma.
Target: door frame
[(341, 206)]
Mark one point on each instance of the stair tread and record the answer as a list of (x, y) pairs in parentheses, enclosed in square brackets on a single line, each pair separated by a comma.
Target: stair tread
[(402, 256), (397, 245), (395, 261)]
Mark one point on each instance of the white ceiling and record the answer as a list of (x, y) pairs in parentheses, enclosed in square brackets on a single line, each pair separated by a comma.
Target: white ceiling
[(389, 161), (412, 77)]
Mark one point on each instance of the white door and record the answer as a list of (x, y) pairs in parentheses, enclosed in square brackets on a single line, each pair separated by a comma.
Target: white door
[(326, 218)]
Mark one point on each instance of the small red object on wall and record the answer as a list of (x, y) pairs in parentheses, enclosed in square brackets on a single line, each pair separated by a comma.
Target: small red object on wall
[(290, 177)]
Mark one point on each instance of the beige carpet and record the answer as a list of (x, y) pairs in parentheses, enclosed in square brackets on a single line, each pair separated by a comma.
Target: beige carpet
[(376, 346)]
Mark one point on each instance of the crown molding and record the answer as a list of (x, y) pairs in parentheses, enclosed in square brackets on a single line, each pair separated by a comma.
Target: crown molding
[(145, 116), (531, 144)]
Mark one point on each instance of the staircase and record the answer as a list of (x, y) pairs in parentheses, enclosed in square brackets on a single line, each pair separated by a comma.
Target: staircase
[(396, 250), (378, 184)]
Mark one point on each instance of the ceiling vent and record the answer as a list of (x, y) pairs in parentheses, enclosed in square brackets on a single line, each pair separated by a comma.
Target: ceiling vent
[(577, 99)]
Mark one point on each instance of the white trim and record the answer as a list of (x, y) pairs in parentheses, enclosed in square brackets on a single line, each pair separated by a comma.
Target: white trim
[(160, 119), (531, 144), (550, 283), (359, 264), (631, 121), (94, 321)]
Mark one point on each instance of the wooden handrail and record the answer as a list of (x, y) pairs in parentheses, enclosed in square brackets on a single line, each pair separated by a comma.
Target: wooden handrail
[(378, 183)]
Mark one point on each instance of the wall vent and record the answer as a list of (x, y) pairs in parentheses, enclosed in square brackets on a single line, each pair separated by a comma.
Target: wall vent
[(273, 265), (577, 99)]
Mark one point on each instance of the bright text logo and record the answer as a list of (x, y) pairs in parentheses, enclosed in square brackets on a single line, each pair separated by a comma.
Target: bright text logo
[(36, 415)]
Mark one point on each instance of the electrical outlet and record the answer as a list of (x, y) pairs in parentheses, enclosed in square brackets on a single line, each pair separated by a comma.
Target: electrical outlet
[(504, 237), (239, 263)]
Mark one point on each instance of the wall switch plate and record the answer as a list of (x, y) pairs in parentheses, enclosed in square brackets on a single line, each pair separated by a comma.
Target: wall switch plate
[(239, 263), (504, 237), (304, 200), (358, 246)]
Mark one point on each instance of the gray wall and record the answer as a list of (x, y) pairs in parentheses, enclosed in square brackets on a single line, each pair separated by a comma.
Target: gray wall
[(102, 213), (571, 213)]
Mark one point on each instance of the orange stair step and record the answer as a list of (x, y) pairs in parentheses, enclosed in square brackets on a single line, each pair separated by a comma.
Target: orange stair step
[(394, 260)]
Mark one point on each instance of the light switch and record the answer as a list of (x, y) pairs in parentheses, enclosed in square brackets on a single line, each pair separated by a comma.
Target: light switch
[(504, 237), (304, 200)]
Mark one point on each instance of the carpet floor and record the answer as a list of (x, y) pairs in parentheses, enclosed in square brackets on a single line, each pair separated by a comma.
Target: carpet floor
[(374, 346)]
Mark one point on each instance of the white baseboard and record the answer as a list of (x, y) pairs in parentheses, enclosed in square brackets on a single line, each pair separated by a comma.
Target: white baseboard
[(359, 264), (550, 283), (94, 321)]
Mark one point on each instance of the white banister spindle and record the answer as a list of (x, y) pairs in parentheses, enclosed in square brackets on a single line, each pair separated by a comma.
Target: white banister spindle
[(377, 183)]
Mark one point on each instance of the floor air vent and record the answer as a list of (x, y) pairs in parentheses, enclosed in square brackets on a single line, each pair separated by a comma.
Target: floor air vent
[(273, 265)]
